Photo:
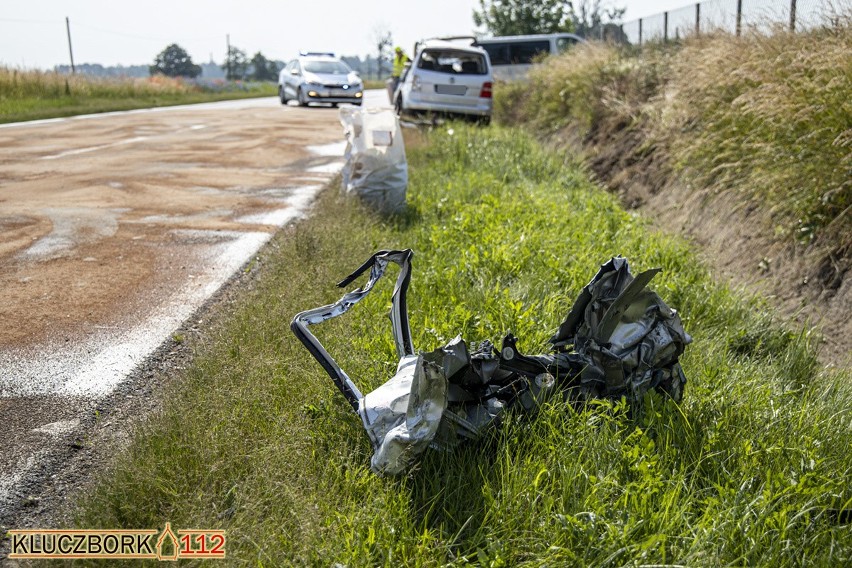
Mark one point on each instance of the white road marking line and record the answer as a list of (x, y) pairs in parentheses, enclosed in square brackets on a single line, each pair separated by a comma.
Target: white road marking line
[(94, 148), (95, 367), (333, 150), (236, 104), (120, 143), (58, 428)]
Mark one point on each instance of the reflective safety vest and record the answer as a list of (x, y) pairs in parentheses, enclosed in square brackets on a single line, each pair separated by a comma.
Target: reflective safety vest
[(399, 61)]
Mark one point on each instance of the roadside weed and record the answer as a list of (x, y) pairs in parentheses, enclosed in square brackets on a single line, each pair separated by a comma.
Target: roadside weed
[(256, 440)]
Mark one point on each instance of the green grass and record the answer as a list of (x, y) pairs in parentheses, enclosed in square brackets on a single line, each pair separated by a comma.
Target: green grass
[(32, 95), (255, 439)]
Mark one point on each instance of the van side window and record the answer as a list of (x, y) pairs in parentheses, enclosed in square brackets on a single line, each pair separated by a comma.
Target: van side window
[(525, 52), (563, 43), (498, 53)]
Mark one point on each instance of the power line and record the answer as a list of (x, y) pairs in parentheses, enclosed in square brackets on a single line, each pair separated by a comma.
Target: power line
[(144, 37), (108, 31), (20, 21)]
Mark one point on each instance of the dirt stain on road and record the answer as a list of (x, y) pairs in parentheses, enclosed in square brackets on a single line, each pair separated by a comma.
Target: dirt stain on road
[(93, 213), (114, 230)]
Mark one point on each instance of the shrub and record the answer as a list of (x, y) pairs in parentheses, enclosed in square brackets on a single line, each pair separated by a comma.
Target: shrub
[(766, 116)]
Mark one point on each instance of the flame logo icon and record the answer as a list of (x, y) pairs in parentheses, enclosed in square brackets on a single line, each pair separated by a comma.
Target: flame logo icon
[(162, 543)]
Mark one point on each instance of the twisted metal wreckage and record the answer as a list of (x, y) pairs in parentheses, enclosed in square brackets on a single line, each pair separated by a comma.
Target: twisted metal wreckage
[(619, 339)]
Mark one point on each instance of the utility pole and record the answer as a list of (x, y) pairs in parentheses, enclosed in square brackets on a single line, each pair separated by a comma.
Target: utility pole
[(70, 51), (228, 57), (792, 15), (697, 18), (739, 16)]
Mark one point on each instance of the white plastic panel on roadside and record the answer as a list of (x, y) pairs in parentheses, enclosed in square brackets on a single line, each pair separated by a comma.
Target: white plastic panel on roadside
[(376, 170)]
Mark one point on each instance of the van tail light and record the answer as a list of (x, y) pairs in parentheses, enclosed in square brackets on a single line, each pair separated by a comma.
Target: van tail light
[(485, 93)]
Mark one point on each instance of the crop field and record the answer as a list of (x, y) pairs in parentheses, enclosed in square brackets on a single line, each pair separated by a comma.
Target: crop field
[(32, 95)]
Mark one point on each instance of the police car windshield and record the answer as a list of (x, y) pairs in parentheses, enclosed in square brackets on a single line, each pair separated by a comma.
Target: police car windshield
[(332, 67)]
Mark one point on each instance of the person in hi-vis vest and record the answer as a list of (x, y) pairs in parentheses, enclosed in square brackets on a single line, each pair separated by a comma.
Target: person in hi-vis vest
[(399, 61)]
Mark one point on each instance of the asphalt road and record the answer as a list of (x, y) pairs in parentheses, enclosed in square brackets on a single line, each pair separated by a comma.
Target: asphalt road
[(114, 229)]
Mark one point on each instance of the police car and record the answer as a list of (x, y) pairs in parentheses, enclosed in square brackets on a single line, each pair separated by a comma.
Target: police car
[(321, 78)]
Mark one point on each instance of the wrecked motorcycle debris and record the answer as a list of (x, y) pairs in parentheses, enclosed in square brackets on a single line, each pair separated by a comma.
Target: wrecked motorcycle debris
[(619, 340)]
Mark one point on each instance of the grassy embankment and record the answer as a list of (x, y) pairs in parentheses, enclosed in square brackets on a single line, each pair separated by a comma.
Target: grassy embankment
[(764, 120), (255, 439), (31, 95)]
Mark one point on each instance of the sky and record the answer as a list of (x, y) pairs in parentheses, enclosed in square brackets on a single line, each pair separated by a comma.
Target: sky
[(120, 32)]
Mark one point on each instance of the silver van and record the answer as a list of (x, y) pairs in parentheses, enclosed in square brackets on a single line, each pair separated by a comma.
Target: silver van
[(512, 56), (446, 78)]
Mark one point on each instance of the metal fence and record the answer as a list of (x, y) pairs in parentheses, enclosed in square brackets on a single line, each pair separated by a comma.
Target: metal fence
[(734, 16)]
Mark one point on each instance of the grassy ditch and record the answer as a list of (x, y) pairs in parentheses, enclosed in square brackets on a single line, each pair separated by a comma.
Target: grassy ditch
[(765, 118), (32, 95), (255, 439)]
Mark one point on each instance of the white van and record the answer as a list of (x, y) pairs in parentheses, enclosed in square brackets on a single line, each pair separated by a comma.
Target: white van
[(446, 78), (512, 56)]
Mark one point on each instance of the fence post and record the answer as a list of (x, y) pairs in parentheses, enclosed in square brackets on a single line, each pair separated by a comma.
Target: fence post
[(739, 16), (698, 18), (792, 15), (640, 32), (665, 27)]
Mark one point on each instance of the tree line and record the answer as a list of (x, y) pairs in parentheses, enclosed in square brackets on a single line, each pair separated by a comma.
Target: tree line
[(174, 61), (524, 17), (498, 17)]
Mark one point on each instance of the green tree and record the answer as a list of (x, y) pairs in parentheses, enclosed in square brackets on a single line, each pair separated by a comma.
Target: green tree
[(592, 19), (263, 69), (521, 17), (174, 61), (383, 40), (236, 64)]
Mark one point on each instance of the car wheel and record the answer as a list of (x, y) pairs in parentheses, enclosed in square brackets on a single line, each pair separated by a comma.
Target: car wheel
[(282, 95), (301, 95)]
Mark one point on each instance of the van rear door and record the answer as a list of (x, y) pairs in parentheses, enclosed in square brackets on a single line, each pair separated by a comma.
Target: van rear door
[(452, 77)]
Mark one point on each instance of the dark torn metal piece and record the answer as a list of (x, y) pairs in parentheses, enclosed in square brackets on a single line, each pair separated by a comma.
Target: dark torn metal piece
[(399, 316), (619, 340), (625, 339)]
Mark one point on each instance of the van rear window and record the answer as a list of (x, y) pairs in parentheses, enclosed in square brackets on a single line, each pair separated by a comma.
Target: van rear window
[(454, 62)]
